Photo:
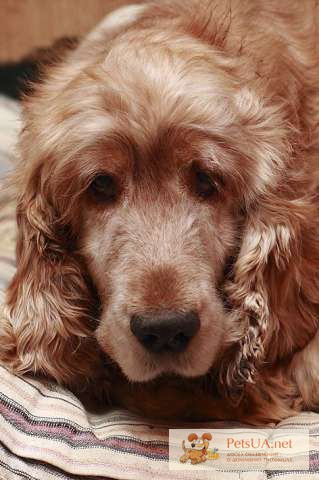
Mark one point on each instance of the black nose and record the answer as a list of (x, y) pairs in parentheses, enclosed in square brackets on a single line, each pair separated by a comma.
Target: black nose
[(169, 332)]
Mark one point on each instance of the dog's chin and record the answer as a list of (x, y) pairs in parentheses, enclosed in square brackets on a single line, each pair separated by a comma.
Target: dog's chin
[(151, 369)]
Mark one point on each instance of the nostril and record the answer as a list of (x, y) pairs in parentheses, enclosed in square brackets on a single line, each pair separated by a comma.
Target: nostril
[(166, 332), (150, 341), (178, 342)]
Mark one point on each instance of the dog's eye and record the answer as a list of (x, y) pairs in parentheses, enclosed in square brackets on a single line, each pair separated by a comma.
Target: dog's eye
[(103, 188), (207, 186)]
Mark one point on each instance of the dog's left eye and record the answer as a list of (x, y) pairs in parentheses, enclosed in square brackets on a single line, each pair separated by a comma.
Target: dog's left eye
[(103, 188), (207, 186)]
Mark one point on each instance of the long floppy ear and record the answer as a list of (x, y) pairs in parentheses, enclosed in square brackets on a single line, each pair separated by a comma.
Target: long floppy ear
[(274, 291), (45, 327), (248, 296)]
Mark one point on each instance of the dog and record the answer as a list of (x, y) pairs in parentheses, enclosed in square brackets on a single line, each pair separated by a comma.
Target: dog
[(198, 451), (167, 212)]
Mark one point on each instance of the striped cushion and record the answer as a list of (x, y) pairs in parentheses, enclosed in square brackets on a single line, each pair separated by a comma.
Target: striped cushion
[(45, 433)]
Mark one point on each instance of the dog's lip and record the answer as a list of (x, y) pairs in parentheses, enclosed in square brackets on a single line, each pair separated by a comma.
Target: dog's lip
[(154, 366), (171, 373)]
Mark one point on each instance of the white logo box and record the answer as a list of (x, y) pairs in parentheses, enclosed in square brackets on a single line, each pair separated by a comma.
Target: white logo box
[(240, 449)]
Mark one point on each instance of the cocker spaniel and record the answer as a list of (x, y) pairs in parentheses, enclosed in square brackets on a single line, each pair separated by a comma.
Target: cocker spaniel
[(168, 215)]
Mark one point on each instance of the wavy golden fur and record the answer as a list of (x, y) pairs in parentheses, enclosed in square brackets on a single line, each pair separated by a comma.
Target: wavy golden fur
[(156, 94)]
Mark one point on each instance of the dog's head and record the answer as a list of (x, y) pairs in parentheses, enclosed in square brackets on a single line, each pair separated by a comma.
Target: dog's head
[(199, 443), (140, 165)]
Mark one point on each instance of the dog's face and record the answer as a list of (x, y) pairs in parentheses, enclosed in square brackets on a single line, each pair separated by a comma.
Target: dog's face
[(158, 229), (160, 213)]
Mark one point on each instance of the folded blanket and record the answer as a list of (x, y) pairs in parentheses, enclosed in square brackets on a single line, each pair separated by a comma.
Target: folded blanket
[(46, 433)]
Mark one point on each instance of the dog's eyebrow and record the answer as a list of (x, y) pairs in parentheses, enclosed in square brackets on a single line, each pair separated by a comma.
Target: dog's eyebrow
[(110, 154)]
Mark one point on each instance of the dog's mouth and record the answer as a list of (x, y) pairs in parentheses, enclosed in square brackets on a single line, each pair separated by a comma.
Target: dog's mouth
[(167, 366), (171, 367)]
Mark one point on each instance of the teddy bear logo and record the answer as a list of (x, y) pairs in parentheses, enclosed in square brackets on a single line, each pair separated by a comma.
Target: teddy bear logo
[(199, 451)]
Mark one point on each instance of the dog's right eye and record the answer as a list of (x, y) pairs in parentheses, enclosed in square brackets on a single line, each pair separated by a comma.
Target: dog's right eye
[(103, 188), (206, 185)]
